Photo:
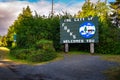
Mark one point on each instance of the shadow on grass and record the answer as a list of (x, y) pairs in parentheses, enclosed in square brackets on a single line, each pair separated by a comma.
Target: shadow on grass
[(113, 73)]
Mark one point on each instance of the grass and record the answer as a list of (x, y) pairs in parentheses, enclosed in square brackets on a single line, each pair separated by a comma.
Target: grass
[(4, 56), (113, 73), (6, 50), (3, 52), (113, 58), (59, 57), (76, 52), (19, 61)]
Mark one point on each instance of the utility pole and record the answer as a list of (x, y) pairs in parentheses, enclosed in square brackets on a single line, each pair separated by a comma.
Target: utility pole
[(52, 9)]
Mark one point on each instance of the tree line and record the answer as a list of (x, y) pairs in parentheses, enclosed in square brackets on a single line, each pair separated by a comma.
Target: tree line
[(30, 29)]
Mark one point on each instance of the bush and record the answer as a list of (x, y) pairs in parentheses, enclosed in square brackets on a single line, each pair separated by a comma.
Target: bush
[(42, 55), (46, 45), (21, 53), (33, 55), (109, 40), (44, 52)]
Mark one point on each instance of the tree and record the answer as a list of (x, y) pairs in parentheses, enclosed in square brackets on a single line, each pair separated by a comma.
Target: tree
[(3, 40), (115, 16), (22, 27), (101, 10), (9, 36), (0, 40), (87, 10), (108, 35)]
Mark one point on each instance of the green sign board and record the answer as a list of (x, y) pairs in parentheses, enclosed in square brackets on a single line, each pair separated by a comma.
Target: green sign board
[(14, 37), (79, 30)]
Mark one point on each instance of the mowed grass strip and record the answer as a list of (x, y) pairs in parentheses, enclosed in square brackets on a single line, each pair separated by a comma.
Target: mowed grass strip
[(113, 58)]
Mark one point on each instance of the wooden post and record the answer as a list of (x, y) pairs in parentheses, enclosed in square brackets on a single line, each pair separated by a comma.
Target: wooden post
[(92, 48), (66, 47)]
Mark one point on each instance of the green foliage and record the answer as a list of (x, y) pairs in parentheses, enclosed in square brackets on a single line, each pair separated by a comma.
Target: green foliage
[(99, 9), (33, 55), (0, 41), (108, 39), (36, 31), (3, 41), (55, 32), (13, 45), (44, 52), (42, 55), (9, 36), (29, 29), (45, 45), (20, 53)]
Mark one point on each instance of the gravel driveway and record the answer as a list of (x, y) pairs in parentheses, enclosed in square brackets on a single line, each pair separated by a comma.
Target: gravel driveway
[(72, 67)]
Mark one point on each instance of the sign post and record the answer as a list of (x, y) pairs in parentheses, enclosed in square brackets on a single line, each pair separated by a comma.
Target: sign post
[(66, 47), (92, 48)]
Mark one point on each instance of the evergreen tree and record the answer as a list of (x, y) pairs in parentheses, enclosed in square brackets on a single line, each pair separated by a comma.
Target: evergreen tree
[(108, 36), (22, 28), (9, 36)]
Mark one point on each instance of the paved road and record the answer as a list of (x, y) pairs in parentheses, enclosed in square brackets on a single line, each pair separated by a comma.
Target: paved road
[(72, 67)]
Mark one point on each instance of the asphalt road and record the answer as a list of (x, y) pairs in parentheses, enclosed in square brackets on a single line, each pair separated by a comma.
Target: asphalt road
[(72, 67)]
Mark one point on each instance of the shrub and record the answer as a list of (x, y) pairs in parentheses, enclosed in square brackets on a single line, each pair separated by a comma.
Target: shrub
[(44, 52), (42, 55), (46, 45), (109, 41), (21, 53), (33, 55)]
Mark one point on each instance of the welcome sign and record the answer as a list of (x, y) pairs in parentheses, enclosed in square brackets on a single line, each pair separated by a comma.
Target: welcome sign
[(79, 30)]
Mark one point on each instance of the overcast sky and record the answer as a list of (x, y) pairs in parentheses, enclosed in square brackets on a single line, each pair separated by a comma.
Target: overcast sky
[(9, 9)]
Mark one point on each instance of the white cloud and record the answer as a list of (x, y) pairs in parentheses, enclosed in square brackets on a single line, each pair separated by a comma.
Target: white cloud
[(10, 10), (8, 13)]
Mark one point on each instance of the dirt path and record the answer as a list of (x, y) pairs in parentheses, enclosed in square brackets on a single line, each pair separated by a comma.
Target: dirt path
[(72, 67)]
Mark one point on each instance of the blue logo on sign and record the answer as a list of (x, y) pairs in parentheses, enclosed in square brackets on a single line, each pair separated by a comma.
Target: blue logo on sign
[(87, 30)]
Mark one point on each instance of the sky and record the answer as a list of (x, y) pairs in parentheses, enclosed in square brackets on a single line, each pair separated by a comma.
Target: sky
[(10, 9)]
